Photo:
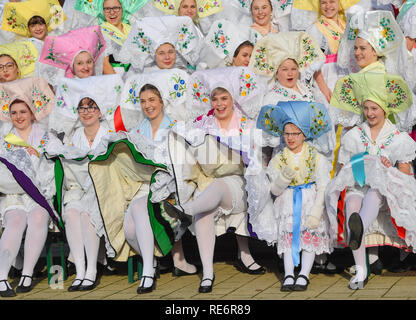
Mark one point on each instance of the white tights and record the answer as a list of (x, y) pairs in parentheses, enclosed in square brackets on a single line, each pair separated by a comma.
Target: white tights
[(306, 266), (367, 208), (17, 221), (139, 235), (82, 237)]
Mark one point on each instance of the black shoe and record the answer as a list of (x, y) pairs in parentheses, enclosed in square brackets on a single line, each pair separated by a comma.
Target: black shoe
[(301, 287), (206, 289), (287, 287), (88, 287), (9, 292), (240, 266), (402, 266), (141, 289), (70, 267), (175, 212), (76, 286), (376, 267), (323, 268), (180, 273), (15, 273), (106, 269), (23, 288), (357, 230)]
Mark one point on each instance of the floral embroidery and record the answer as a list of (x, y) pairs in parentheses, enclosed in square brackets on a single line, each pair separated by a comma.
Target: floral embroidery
[(110, 111), (309, 53), (352, 34), (399, 93), (247, 84), (261, 63), (98, 46), (345, 94), (243, 124), (5, 99), (270, 124), (387, 33), (209, 5), (8, 146), (335, 35), (27, 57), (142, 41), (179, 87), (283, 4), (243, 3), (60, 102), (111, 33), (39, 99), (310, 163), (277, 88), (57, 16), (318, 122), (117, 88), (55, 57), (64, 87), (44, 141), (184, 38), (12, 21), (365, 140), (90, 4), (199, 93), (132, 94), (172, 124), (221, 39), (165, 4)]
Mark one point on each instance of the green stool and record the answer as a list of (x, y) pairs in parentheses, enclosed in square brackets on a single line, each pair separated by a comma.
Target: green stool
[(55, 239), (130, 263)]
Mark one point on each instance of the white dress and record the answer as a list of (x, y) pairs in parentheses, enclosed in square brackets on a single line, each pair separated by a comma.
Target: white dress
[(398, 189), (311, 167)]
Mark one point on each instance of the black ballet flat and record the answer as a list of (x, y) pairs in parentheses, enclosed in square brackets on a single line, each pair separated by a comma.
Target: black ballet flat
[(174, 212), (287, 287), (141, 289), (206, 289), (75, 287), (357, 230), (301, 287), (240, 266), (90, 286), (180, 273), (22, 288), (9, 292)]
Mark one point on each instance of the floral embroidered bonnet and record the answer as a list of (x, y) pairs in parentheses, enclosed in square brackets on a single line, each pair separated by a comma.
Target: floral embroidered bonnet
[(147, 34), (60, 51), (204, 8), (270, 51), (105, 90), (242, 83), (24, 54), (35, 92), (17, 15)]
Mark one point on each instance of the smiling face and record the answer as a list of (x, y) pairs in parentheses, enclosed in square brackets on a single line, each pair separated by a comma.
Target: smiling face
[(89, 113), (242, 59), (21, 116), (187, 8), (374, 113), (364, 53), (330, 8), (222, 103), (37, 27), (294, 137), (113, 12), (410, 43), (9, 70), (83, 65), (165, 56), (288, 73), (261, 10), (152, 104)]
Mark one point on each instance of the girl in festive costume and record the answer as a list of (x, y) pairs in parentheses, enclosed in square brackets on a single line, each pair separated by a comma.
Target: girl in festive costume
[(226, 44), (18, 60), (84, 112), (162, 43), (327, 29), (171, 85), (210, 191), (380, 186), (79, 53), (26, 204), (298, 176), (114, 19)]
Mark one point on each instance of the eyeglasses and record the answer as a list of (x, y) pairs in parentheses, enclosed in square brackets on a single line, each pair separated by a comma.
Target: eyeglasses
[(7, 66), (109, 9), (86, 109), (292, 134)]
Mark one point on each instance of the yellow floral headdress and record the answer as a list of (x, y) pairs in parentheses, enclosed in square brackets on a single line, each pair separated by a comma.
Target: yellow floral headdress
[(24, 53)]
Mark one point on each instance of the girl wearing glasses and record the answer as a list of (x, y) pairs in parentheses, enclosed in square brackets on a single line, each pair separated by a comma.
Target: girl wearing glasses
[(298, 177), (27, 187), (95, 99)]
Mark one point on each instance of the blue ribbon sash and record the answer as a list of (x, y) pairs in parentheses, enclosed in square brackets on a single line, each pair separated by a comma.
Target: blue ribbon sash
[(297, 218), (357, 166)]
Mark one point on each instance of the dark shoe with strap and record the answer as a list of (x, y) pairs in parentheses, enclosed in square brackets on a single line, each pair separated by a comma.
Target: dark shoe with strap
[(141, 289), (88, 287), (323, 268), (9, 292), (240, 266), (301, 287), (180, 273), (206, 289), (75, 287), (175, 212), (287, 287), (356, 231), (22, 288), (376, 267)]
